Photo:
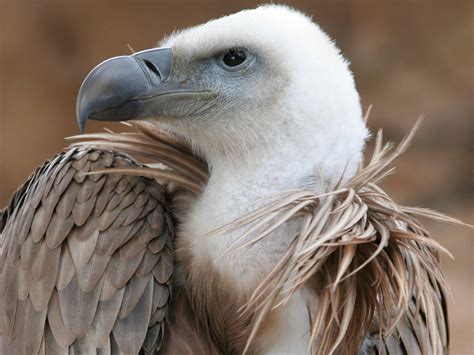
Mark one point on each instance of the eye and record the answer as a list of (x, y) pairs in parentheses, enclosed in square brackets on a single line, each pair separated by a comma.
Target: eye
[(234, 57)]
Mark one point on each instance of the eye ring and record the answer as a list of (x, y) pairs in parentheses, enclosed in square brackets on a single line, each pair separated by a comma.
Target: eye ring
[(233, 58)]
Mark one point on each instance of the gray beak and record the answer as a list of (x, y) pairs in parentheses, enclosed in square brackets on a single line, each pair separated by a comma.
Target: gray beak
[(137, 86)]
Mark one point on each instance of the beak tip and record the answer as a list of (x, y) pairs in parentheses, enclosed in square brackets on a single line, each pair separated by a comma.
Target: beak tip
[(81, 122)]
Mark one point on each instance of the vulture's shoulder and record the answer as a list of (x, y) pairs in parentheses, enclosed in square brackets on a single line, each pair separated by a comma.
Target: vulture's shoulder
[(85, 260)]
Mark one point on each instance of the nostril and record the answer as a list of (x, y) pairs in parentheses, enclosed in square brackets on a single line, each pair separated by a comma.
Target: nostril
[(152, 67)]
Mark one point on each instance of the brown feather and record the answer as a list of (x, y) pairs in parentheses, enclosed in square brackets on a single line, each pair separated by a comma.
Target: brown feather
[(58, 229), (130, 332), (66, 269), (55, 321), (40, 291), (82, 250), (133, 292), (105, 318), (89, 275)]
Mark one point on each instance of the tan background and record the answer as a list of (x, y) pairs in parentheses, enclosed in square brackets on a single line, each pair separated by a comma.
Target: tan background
[(409, 57)]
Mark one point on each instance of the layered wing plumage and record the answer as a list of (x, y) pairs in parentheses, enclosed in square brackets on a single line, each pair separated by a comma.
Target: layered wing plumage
[(86, 260)]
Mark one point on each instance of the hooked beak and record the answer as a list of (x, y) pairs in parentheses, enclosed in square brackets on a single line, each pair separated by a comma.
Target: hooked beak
[(137, 86)]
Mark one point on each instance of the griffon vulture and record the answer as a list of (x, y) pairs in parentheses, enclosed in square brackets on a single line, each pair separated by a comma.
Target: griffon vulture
[(255, 228)]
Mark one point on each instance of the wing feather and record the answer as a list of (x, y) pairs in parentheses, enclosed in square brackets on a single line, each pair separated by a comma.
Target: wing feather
[(66, 202), (51, 347), (76, 266), (28, 322), (66, 269), (56, 324), (40, 291), (82, 249), (130, 332), (153, 338), (58, 229), (106, 316), (90, 274), (133, 292)]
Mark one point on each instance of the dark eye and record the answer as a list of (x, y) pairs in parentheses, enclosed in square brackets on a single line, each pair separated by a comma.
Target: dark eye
[(234, 57)]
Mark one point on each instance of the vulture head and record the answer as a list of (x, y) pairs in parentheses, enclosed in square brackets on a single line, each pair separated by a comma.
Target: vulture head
[(260, 85)]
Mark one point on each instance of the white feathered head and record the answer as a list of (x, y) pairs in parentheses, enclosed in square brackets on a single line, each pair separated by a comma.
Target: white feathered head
[(246, 87)]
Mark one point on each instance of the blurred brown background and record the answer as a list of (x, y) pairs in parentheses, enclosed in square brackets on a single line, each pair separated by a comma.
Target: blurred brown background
[(409, 57)]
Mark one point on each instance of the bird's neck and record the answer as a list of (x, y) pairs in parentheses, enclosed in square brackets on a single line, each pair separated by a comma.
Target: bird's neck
[(225, 282), (239, 186)]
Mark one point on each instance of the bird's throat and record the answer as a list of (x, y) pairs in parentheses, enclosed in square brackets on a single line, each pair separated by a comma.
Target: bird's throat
[(220, 280)]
